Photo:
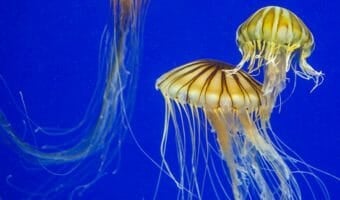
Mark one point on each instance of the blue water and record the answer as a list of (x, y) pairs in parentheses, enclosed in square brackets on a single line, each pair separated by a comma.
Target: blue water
[(49, 52)]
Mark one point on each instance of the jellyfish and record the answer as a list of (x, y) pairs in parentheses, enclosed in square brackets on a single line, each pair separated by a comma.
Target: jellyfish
[(77, 157), (254, 164), (273, 38)]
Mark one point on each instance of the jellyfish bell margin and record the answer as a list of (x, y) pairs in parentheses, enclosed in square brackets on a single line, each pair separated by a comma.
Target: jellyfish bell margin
[(201, 93)]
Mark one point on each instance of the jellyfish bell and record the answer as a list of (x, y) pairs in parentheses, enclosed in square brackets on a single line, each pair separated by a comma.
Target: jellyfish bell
[(185, 84), (273, 37)]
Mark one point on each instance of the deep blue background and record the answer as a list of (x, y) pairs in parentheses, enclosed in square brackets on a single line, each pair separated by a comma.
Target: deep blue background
[(49, 51)]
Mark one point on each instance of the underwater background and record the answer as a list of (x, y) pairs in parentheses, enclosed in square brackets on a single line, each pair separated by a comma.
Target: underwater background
[(49, 51)]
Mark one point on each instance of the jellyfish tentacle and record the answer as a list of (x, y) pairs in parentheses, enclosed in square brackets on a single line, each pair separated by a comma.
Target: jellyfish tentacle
[(217, 120), (97, 138), (289, 188)]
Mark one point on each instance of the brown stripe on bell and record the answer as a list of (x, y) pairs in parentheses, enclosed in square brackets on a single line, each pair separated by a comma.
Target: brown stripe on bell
[(206, 83)]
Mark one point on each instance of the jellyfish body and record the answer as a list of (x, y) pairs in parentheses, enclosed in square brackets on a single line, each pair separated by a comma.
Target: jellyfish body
[(272, 38), (202, 92), (95, 142)]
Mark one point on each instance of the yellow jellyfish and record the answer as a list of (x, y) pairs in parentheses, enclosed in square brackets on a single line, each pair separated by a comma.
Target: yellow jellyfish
[(201, 93), (94, 142), (272, 37)]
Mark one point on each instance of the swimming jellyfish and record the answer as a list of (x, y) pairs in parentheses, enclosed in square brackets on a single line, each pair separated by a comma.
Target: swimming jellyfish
[(74, 159), (255, 166), (271, 38)]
